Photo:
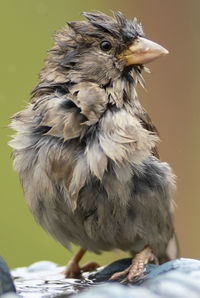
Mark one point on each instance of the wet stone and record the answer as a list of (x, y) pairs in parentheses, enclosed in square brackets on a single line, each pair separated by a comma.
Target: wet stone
[(178, 278), (6, 283), (46, 279)]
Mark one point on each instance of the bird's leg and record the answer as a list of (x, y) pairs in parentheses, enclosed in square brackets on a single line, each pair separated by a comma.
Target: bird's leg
[(136, 269), (74, 270)]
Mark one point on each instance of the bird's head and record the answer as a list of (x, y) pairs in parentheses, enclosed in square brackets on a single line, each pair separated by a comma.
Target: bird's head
[(98, 50)]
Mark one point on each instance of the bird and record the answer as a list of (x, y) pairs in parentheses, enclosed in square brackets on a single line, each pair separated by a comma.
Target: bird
[(86, 150)]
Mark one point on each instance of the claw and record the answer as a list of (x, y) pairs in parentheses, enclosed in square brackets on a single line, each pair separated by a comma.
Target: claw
[(136, 269), (73, 270)]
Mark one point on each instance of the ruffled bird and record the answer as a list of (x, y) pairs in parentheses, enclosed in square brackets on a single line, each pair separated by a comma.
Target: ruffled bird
[(86, 150)]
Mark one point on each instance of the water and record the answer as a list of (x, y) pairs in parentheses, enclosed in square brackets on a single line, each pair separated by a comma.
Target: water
[(46, 279)]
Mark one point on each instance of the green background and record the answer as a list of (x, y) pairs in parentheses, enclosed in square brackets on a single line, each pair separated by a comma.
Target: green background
[(172, 100)]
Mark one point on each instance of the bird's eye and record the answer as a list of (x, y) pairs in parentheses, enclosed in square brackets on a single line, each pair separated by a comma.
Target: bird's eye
[(105, 45)]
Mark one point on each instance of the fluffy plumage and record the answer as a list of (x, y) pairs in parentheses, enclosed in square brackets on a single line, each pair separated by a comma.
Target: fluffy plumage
[(85, 148)]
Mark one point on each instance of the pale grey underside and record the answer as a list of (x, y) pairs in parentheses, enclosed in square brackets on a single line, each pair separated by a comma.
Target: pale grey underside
[(96, 185)]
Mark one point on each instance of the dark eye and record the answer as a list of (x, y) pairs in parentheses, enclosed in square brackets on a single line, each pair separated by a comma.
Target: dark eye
[(105, 45)]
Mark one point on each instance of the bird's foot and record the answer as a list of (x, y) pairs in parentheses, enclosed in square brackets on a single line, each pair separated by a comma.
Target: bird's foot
[(136, 269), (73, 270)]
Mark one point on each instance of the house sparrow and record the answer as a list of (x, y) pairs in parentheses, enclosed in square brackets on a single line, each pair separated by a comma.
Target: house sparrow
[(85, 148)]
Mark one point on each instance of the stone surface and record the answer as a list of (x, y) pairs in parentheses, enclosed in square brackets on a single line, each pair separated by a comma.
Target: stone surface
[(46, 279), (6, 283), (188, 266), (10, 295), (115, 290), (175, 279)]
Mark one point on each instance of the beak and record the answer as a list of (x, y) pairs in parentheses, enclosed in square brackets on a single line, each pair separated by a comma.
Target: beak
[(142, 51)]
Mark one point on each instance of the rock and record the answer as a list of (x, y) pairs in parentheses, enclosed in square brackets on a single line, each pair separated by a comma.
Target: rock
[(46, 279), (175, 279), (106, 272), (10, 295), (115, 290), (187, 266), (6, 282), (42, 266)]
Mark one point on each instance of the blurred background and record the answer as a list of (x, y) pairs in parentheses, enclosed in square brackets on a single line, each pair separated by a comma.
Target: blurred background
[(172, 100)]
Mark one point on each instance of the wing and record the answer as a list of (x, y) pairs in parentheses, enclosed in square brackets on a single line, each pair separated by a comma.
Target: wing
[(69, 115)]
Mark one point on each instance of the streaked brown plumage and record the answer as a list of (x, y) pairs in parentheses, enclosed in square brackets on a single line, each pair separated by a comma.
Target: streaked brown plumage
[(85, 148)]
